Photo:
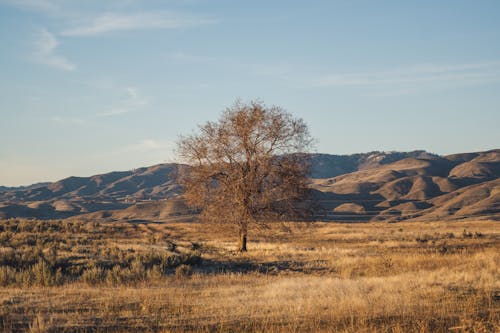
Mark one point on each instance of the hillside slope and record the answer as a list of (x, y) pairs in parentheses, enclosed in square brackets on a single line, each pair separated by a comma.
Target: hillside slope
[(455, 186), (371, 186)]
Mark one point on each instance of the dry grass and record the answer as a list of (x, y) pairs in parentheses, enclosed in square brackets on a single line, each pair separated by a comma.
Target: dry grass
[(374, 277)]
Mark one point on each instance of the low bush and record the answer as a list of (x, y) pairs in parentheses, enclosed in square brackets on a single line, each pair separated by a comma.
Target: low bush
[(183, 271)]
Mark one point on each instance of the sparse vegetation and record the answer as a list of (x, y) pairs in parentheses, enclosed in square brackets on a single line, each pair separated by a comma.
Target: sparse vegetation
[(109, 277), (49, 253)]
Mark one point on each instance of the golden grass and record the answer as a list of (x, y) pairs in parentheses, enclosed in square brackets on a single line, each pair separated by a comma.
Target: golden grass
[(373, 277)]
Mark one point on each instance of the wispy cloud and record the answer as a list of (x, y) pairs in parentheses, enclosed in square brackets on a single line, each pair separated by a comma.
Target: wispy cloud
[(35, 5), (152, 151), (148, 145), (111, 22), (472, 73), (45, 52), (68, 120), (181, 57), (132, 102), (148, 151), (276, 69), (78, 19)]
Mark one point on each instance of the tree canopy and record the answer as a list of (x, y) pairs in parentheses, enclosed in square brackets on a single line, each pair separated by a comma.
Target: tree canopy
[(246, 168)]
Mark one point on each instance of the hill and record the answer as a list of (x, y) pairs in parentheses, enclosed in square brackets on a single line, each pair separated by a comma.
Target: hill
[(370, 186), (455, 186), (79, 195)]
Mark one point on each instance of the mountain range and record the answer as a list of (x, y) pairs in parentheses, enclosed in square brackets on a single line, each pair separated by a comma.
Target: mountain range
[(371, 186)]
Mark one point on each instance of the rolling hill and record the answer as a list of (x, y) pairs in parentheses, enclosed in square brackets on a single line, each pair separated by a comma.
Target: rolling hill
[(455, 186), (359, 187)]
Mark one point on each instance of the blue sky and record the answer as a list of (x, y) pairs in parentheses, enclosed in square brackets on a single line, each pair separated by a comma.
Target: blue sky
[(93, 86)]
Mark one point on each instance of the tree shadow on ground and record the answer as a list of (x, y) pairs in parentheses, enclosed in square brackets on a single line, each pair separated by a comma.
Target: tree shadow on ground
[(270, 267)]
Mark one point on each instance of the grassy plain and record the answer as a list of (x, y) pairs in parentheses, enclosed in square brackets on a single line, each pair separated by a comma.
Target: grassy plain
[(74, 276)]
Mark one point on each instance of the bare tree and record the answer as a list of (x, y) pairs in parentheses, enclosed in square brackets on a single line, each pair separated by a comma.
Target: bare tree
[(246, 168)]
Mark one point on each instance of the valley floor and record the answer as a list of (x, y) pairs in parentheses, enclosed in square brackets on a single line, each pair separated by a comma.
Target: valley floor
[(296, 277)]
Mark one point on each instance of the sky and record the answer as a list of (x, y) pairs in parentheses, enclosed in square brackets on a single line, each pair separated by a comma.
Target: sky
[(88, 87)]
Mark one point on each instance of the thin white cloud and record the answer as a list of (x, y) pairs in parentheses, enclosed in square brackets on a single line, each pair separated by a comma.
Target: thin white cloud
[(35, 5), (277, 69), (473, 73), (112, 22), (131, 92), (77, 19), (391, 93), (135, 98), (181, 57), (148, 145), (113, 112), (68, 120), (45, 52), (138, 153), (133, 102)]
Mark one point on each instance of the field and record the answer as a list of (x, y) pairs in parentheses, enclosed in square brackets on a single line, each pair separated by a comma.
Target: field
[(75, 276)]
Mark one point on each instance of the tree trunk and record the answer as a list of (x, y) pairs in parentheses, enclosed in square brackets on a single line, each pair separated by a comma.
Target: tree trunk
[(242, 244)]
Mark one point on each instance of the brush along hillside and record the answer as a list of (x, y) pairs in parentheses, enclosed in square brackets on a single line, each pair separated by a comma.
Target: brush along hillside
[(75, 276)]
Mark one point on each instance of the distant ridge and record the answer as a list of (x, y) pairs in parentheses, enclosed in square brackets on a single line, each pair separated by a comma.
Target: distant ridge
[(156, 182), (358, 187), (20, 188), (328, 166)]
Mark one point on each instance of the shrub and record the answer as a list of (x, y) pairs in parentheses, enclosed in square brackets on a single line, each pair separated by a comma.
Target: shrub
[(154, 273), (7, 276), (50, 255), (44, 275), (114, 276), (5, 237), (183, 271), (467, 234), (94, 275), (192, 258), (137, 271)]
